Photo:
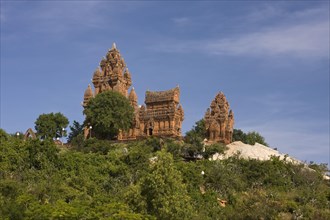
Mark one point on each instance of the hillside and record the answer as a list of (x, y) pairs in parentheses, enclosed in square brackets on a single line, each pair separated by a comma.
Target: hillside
[(256, 151), (103, 180)]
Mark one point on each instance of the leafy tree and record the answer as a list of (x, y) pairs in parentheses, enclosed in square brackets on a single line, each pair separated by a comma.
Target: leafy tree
[(239, 135), (137, 181), (254, 137), (4, 136), (163, 190), (51, 125), (76, 129), (78, 142), (321, 168), (214, 148), (194, 139), (108, 113), (197, 134), (248, 138), (175, 148)]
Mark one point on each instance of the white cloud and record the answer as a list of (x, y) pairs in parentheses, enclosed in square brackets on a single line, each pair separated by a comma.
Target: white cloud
[(181, 21), (298, 40), (264, 12), (300, 139), (302, 34), (278, 103), (287, 123)]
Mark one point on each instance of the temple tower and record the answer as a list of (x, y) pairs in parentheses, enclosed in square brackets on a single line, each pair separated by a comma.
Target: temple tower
[(219, 120), (112, 74), (163, 115)]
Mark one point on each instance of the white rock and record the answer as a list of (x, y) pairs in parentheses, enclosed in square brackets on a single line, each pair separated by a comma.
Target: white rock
[(257, 151)]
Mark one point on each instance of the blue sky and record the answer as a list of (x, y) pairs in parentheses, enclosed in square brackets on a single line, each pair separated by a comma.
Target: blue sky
[(271, 59)]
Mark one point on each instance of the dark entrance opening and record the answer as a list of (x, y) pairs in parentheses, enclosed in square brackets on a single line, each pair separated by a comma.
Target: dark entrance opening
[(150, 131)]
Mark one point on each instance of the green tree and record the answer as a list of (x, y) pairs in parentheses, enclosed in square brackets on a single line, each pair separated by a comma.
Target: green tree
[(51, 125), (4, 136), (76, 129), (108, 113), (254, 137), (41, 154), (197, 134), (194, 139), (163, 189), (239, 135), (248, 138), (214, 148)]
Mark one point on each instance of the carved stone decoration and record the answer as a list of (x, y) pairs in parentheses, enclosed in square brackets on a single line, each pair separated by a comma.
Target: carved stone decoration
[(29, 134), (133, 132), (219, 120), (113, 74), (162, 116), (87, 95)]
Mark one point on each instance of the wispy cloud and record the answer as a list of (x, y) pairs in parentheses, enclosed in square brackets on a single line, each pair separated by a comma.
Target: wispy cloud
[(303, 40), (263, 13), (294, 137), (298, 40), (277, 103), (288, 124), (181, 21), (303, 34), (266, 12), (59, 18)]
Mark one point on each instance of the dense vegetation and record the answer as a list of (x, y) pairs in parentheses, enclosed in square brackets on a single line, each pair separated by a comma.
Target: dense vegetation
[(98, 179), (51, 125), (108, 113), (251, 137), (198, 133)]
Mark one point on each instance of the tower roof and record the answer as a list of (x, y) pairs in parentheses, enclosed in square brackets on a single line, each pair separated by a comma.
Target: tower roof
[(132, 95), (114, 47), (163, 96), (97, 73), (88, 92), (127, 73)]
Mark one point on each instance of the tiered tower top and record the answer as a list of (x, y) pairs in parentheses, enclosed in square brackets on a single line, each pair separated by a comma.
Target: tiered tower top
[(219, 120), (111, 75), (162, 116)]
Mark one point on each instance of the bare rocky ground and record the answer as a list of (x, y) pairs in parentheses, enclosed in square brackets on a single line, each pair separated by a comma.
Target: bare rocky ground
[(256, 151)]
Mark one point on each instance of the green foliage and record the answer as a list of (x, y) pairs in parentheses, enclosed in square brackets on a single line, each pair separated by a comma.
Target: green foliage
[(239, 135), (214, 148), (197, 134), (76, 129), (4, 136), (254, 137), (108, 113), (163, 191), (248, 138), (78, 141), (50, 125), (174, 147), (106, 180), (320, 168), (194, 140)]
